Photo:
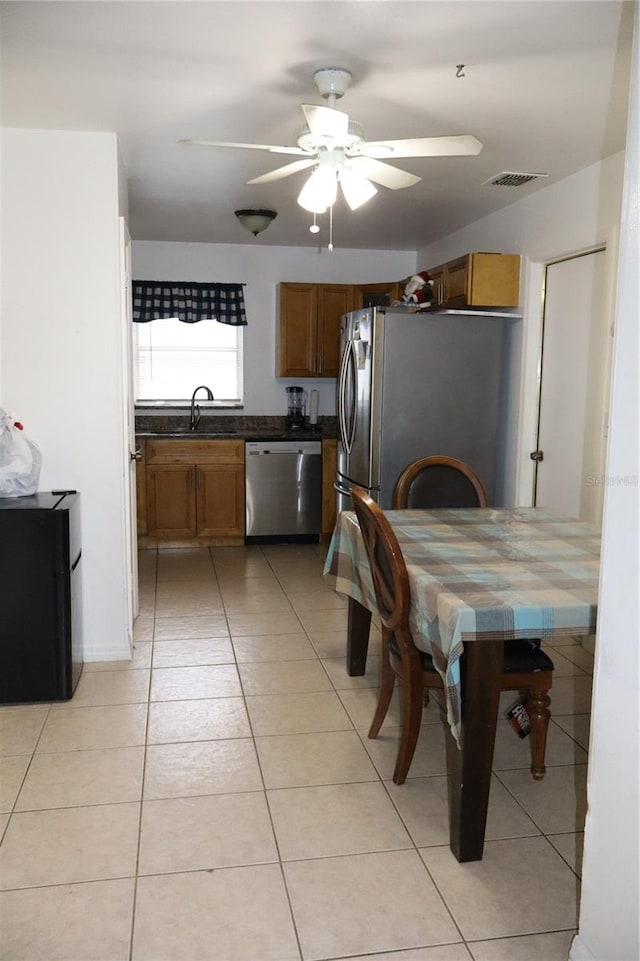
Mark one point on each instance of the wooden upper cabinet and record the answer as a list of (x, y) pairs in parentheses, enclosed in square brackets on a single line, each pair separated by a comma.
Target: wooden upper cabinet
[(379, 295), (438, 275), (477, 280), (334, 300), (308, 327), (297, 329)]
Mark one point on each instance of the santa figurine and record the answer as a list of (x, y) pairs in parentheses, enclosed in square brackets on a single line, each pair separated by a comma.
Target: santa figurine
[(419, 289)]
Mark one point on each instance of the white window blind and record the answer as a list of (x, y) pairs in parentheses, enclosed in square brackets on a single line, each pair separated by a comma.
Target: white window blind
[(173, 358)]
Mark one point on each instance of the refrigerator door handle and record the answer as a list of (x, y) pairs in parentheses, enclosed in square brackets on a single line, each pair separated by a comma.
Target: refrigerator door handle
[(341, 488), (353, 369), (349, 367), (341, 389)]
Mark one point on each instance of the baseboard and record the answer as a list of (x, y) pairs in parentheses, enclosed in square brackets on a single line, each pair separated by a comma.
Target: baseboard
[(579, 951), (118, 653)]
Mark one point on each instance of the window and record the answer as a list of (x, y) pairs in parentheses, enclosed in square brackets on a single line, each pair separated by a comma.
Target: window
[(172, 358)]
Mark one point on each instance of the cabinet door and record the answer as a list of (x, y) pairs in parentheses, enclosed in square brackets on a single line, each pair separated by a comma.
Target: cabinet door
[(378, 295), (478, 280), (220, 500), (494, 280), (456, 282), (141, 489), (334, 300), (171, 500), (329, 468), (438, 276), (297, 330)]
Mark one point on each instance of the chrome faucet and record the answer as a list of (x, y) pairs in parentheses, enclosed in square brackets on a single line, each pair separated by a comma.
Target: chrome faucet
[(195, 409)]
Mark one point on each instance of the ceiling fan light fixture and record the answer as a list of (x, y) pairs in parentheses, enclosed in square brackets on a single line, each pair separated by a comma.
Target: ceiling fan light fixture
[(356, 188), (255, 220), (320, 190)]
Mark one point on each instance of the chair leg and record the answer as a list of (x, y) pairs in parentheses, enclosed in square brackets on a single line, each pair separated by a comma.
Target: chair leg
[(411, 717), (387, 682), (539, 714)]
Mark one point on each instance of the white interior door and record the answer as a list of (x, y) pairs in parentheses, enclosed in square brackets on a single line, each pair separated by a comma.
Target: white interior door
[(573, 388), (130, 520)]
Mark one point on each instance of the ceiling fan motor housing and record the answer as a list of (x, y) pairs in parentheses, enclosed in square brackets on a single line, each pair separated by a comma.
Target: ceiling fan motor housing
[(354, 138), (332, 82)]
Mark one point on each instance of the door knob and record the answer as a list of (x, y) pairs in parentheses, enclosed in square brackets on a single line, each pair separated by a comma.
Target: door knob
[(537, 455)]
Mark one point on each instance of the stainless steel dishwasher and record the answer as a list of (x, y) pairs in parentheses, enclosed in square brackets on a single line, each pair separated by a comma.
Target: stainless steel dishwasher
[(283, 488)]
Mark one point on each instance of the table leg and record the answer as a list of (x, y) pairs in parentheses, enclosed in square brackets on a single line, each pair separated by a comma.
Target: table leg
[(358, 623), (469, 769)]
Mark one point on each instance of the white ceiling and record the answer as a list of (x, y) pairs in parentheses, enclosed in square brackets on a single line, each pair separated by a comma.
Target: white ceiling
[(544, 88)]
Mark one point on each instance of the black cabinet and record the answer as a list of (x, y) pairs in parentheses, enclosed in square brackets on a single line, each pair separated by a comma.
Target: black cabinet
[(41, 609)]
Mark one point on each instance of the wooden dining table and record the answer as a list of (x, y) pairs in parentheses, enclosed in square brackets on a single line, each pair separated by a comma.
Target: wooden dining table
[(477, 577)]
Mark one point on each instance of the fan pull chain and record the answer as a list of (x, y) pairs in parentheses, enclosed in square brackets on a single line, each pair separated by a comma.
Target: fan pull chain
[(330, 245)]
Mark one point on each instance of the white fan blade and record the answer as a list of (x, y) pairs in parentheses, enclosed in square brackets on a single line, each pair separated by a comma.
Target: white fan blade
[(296, 151), (383, 174), (281, 172), (326, 122), (462, 146)]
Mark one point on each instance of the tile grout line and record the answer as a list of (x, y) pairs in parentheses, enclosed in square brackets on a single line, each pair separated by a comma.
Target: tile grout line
[(134, 899)]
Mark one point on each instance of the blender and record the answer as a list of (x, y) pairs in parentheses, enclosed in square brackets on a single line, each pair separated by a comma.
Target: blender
[(296, 407)]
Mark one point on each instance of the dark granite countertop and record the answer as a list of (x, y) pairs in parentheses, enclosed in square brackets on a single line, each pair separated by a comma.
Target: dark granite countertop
[(232, 428)]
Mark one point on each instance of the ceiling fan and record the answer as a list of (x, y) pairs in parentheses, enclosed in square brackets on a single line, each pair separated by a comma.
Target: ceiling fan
[(335, 146)]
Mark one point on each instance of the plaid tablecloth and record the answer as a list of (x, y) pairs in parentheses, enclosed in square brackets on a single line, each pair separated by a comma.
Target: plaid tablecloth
[(480, 574)]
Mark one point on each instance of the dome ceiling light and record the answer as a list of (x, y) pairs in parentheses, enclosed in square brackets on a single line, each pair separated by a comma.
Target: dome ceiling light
[(255, 220)]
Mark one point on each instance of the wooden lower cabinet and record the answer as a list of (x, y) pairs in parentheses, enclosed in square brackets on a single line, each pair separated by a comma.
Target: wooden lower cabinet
[(329, 468), (194, 493), (220, 500), (141, 488), (171, 501)]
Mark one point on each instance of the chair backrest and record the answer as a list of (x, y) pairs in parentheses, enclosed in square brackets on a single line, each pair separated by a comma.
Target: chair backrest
[(438, 481), (388, 569)]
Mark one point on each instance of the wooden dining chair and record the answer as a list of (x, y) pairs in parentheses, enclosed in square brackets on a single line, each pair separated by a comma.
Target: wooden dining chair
[(525, 667), (438, 481)]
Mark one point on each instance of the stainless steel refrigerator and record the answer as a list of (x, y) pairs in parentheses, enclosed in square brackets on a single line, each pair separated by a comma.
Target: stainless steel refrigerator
[(414, 384)]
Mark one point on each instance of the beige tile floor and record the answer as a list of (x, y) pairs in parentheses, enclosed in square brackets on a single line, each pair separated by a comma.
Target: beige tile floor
[(217, 798)]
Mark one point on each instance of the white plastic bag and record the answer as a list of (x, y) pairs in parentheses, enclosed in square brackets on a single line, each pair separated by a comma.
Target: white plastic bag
[(20, 460)]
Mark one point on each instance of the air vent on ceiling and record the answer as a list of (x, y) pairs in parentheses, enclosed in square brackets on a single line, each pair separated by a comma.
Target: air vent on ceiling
[(509, 178)]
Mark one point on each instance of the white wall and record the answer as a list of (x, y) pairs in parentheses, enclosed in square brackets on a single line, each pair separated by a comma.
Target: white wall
[(262, 268), (573, 215), (609, 928), (60, 361)]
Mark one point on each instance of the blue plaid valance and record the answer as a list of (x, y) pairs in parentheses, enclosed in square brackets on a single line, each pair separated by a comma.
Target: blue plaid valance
[(188, 302)]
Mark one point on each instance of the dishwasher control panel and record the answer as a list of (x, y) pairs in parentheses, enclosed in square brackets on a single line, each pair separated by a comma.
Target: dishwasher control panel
[(283, 447)]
